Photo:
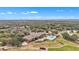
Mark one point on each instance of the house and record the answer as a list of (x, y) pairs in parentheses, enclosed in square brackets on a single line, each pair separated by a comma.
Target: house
[(34, 36)]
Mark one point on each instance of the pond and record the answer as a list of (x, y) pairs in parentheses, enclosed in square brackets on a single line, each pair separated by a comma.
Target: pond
[(51, 37)]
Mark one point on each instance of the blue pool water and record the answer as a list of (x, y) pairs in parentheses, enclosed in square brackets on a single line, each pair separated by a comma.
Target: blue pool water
[(51, 37)]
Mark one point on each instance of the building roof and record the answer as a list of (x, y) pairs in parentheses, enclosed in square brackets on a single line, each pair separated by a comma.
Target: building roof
[(33, 35)]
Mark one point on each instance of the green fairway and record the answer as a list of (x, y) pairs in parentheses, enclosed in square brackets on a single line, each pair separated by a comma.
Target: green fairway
[(65, 48)]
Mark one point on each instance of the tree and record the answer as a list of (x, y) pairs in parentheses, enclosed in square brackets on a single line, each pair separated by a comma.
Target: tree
[(74, 37), (5, 41), (16, 41), (66, 36)]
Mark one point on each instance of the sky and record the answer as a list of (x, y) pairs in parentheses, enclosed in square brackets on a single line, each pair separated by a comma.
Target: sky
[(21, 13)]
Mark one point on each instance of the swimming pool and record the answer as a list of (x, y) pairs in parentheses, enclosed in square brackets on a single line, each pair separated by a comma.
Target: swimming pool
[(51, 37)]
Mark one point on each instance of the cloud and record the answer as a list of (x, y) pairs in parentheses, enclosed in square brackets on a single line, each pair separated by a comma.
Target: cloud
[(33, 12), (25, 12), (29, 12), (11, 12), (5, 13)]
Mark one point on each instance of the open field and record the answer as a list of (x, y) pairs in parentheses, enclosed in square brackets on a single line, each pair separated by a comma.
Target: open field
[(65, 48)]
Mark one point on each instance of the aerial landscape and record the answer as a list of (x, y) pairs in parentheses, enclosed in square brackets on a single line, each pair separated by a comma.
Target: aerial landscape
[(39, 29)]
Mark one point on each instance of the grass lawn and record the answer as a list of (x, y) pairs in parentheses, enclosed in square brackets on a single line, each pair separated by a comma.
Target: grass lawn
[(65, 48)]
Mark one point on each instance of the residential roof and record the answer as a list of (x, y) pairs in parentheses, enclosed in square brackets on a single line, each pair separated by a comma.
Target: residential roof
[(33, 35)]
